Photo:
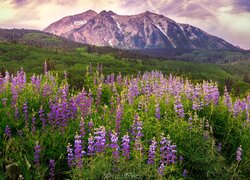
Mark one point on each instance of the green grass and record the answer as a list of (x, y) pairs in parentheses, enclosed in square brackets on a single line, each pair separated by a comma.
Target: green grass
[(14, 56)]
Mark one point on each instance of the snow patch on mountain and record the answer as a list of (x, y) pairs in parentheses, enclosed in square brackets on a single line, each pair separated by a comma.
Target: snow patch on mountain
[(79, 22), (166, 36)]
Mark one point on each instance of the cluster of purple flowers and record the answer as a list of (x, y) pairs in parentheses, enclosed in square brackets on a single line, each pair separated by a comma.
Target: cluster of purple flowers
[(37, 151), (100, 139), (137, 132), (61, 112), (239, 154), (152, 153), (36, 82), (8, 131), (84, 102), (126, 146), (33, 125), (179, 109), (114, 145), (91, 145), (167, 151), (63, 108), (157, 111), (133, 91), (82, 128), (42, 117), (78, 151), (99, 95), (227, 100), (70, 157), (52, 169), (75, 158), (25, 113)]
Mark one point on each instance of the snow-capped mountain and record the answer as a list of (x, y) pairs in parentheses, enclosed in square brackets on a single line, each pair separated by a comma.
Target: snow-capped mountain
[(145, 30)]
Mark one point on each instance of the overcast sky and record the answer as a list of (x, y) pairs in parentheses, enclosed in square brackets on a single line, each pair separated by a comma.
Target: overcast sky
[(228, 19)]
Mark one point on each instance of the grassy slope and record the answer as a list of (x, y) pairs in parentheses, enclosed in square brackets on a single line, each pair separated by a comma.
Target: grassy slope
[(14, 56)]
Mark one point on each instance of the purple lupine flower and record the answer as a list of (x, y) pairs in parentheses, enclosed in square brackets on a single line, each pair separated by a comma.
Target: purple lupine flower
[(47, 90), (167, 151), (33, 125), (82, 129), (99, 95), (114, 145), (25, 113), (126, 146), (133, 91), (42, 117), (112, 78), (157, 111), (163, 149), (184, 173), (151, 153), (161, 169), (219, 147), (36, 82), (8, 131), (210, 93), (52, 169), (14, 91), (37, 151), (119, 79), (236, 108), (70, 157), (179, 107), (16, 113), (239, 154), (197, 104), (61, 112), (206, 135), (100, 139), (137, 132), (137, 126), (91, 145), (78, 151), (138, 145), (215, 94), (181, 158)]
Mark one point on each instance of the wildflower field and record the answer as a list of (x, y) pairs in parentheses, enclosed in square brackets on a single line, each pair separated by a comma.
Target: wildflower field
[(148, 126)]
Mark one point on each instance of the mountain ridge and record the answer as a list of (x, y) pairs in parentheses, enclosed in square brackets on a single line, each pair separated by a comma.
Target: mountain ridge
[(140, 31)]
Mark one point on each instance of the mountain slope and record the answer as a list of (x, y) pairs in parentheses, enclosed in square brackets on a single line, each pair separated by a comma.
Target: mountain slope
[(37, 38), (145, 30)]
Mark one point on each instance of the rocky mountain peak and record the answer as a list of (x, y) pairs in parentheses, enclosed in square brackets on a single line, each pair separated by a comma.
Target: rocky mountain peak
[(107, 13), (140, 31)]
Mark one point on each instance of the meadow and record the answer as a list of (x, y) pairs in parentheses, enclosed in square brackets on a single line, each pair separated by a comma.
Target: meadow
[(234, 75), (139, 126)]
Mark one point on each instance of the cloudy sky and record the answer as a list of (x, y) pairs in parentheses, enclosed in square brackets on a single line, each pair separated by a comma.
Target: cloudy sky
[(228, 19)]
